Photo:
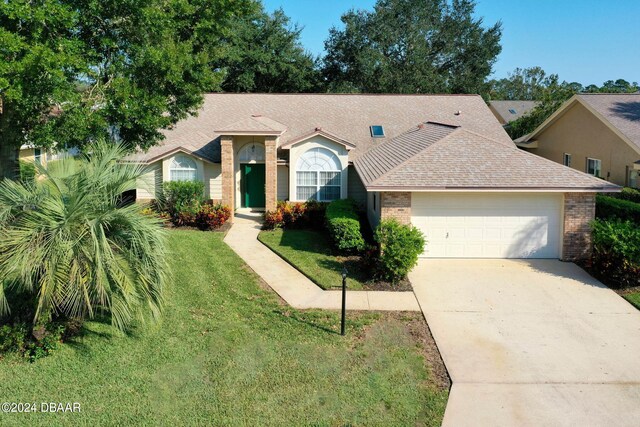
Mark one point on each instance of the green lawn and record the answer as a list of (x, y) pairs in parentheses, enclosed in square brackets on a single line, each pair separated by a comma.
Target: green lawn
[(633, 298), (311, 252), (228, 353)]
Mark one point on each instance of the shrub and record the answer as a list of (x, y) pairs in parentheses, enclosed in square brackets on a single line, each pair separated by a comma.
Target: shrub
[(183, 200), (16, 338), (611, 208), (299, 215), (400, 246), (343, 224), (211, 216), (616, 252), (27, 171), (630, 194), (273, 219)]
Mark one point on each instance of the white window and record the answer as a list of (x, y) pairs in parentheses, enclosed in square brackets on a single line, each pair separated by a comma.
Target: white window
[(318, 175), (594, 167), (566, 159), (182, 168), (251, 153), (37, 155)]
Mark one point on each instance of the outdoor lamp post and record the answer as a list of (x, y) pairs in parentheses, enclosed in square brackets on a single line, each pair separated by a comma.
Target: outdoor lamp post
[(344, 298)]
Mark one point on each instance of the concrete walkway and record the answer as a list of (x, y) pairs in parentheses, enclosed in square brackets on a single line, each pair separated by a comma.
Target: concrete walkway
[(531, 343), (295, 288)]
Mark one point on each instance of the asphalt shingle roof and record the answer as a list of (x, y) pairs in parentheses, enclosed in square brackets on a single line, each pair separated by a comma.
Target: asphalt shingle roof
[(346, 116), (521, 108), (442, 157), (621, 110)]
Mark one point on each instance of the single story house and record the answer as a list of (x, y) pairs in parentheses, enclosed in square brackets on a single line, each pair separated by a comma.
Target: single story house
[(508, 111), (441, 162), (594, 133)]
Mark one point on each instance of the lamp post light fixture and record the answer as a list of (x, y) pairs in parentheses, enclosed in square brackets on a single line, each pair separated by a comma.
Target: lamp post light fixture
[(344, 299)]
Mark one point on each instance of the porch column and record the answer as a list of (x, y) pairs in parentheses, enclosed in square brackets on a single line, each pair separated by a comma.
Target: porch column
[(271, 165), (227, 162)]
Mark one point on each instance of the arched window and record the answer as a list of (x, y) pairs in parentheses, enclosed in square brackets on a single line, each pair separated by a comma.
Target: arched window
[(251, 153), (318, 175), (182, 168)]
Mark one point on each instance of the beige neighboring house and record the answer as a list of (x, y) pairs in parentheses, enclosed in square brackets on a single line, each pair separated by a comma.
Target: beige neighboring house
[(594, 133), (508, 111), (31, 153), (443, 163)]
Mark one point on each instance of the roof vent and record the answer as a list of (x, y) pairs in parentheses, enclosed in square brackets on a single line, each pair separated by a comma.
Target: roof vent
[(256, 115), (318, 129), (512, 111), (457, 113), (377, 131)]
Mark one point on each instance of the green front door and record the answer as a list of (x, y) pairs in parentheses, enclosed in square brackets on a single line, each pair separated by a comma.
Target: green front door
[(253, 185)]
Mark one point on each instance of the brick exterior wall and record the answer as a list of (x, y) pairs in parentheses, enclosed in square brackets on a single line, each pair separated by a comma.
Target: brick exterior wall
[(228, 181), (396, 205), (271, 173), (579, 211)]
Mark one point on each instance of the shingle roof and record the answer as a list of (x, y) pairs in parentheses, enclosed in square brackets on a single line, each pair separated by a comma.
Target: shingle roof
[(502, 109), (348, 116), (621, 110), (446, 158), (254, 124)]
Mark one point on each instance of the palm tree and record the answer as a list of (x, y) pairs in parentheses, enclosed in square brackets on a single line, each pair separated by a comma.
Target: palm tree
[(68, 243)]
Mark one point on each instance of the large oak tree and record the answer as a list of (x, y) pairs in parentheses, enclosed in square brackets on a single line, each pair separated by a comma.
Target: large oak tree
[(76, 70), (411, 46)]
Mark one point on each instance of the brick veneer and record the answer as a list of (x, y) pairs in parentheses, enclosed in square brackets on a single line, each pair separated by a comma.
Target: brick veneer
[(396, 205), (579, 211), (226, 158), (271, 175)]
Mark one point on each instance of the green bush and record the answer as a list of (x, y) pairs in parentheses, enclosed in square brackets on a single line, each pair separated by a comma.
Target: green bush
[(343, 224), (616, 252), (400, 246), (630, 194), (183, 200), (16, 338), (611, 208), (27, 171)]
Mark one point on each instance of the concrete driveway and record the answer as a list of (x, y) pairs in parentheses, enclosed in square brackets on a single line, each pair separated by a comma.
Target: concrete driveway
[(531, 342)]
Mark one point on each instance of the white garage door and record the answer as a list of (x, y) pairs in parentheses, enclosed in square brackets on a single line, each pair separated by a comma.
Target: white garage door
[(488, 225)]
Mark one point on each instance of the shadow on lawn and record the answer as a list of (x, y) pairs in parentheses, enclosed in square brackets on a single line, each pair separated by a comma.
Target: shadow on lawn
[(294, 316)]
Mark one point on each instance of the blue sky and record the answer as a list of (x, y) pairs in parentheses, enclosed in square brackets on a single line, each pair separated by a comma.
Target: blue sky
[(588, 41)]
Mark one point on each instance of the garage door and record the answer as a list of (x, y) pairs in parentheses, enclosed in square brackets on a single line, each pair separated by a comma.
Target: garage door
[(488, 225)]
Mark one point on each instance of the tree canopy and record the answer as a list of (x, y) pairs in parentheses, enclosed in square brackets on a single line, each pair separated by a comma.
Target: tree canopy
[(535, 84), (77, 70), (411, 46), (264, 54)]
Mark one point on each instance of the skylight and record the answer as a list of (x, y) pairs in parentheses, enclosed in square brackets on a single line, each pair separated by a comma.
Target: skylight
[(377, 131), (512, 111)]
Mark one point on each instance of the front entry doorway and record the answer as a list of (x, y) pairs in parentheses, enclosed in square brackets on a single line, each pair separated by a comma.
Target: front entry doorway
[(253, 185)]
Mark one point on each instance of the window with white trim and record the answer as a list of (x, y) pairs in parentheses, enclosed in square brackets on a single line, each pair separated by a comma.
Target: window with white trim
[(182, 168), (318, 175), (566, 159), (594, 167)]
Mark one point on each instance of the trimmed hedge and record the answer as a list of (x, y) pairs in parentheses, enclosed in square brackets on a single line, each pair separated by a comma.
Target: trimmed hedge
[(630, 194), (616, 252), (183, 200), (343, 224), (611, 208), (400, 246)]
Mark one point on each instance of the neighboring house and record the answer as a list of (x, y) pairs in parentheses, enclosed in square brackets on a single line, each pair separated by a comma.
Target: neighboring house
[(443, 163), (594, 133), (31, 153), (508, 111)]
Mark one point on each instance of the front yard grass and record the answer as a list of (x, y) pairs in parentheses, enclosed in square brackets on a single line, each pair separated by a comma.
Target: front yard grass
[(311, 252), (227, 352), (633, 296)]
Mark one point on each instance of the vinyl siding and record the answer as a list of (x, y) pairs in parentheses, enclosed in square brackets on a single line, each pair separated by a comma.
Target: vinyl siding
[(150, 184), (283, 182), (212, 181), (356, 190)]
